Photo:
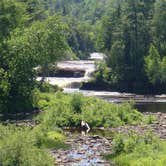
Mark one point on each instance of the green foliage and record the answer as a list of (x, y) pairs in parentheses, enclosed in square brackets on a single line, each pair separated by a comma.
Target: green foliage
[(136, 150), (125, 32), (46, 87), (17, 148), (153, 62), (159, 26), (13, 14), (102, 73), (79, 37), (155, 66), (63, 110), (163, 70), (77, 103), (54, 140), (150, 119), (116, 61), (24, 146), (39, 44), (84, 22)]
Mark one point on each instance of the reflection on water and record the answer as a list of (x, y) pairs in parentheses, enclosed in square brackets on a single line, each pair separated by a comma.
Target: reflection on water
[(151, 107), (92, 132)]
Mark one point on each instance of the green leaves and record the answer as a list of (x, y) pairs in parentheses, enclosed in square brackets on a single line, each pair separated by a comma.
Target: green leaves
[(133, 149), (155, 66), (12, 14), (69, 110), (18, 148), (159, 26), (163, 70), (39, 44), (153, 62)]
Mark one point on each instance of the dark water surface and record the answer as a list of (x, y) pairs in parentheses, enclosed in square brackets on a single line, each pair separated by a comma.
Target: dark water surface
[(151, 107)]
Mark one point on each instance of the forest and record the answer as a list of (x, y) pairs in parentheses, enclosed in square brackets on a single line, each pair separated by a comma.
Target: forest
[(33, 33), (130, 33)]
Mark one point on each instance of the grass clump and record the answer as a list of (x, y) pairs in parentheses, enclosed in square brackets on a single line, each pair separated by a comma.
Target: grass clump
[(54, 140), (137, 150)]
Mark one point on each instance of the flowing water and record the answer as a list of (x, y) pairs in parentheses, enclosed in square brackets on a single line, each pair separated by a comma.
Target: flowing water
[(87, 150), (72, 82), (145, 103)]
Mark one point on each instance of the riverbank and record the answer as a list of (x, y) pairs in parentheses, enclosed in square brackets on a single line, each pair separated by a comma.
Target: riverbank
[(89, 150), (119, 97), (158, 126), (61, 110)]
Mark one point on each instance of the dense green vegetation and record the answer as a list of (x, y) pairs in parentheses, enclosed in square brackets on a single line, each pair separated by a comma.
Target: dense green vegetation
[(126, 31), (137, 150), (26, 42), (135, 45), (131, 37), (32, 33), (62, 110), (132, 34), (23, 146)]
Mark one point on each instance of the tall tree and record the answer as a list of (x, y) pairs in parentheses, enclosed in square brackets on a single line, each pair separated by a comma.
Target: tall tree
[(159, 26), (153, 65), (163, 70), (39, 44), (12, 15)]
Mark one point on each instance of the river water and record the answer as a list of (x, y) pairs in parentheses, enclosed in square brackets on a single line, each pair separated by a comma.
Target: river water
[(144, 103)]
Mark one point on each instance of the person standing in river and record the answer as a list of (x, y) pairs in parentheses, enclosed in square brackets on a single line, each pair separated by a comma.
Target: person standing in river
[(84, 128)]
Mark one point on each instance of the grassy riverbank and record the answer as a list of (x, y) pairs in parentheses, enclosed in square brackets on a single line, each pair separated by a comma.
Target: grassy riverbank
[(138, 150), (25, 145)]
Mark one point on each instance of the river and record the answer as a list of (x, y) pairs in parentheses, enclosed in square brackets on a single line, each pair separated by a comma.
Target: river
[(144, 103)]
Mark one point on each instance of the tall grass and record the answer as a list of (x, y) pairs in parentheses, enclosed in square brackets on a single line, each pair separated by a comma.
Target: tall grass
[(136, 150)]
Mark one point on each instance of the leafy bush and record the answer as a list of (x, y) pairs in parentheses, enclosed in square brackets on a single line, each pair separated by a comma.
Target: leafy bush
[(46, 87), (23, 146), (137, 150), (63, 110), (18, 148), (77, 102), (54, 140)]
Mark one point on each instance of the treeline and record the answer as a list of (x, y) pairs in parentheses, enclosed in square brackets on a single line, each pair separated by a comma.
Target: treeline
[(134, 37), (131, 33), (85, 20)]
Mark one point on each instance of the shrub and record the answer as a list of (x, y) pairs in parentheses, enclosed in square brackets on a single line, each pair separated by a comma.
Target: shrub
[(77, 102), (137, 150), (17, 148), (64, 110), (46, 87)]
